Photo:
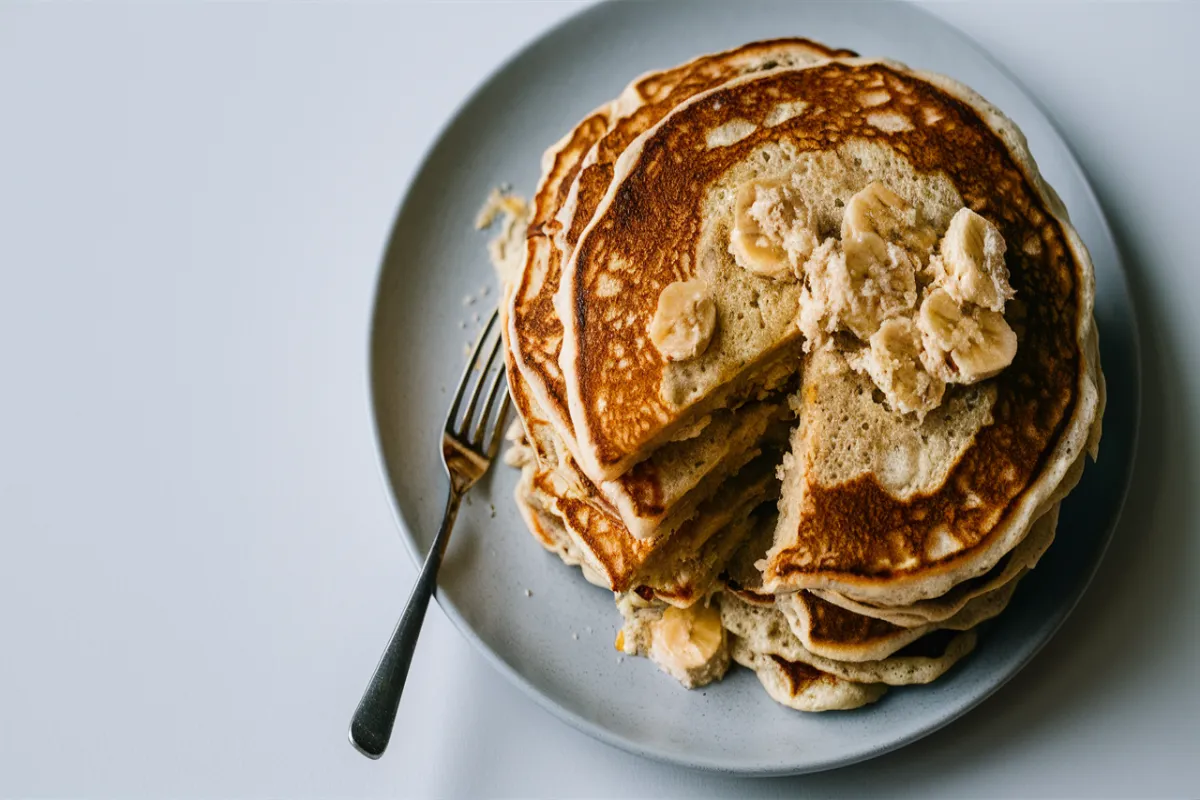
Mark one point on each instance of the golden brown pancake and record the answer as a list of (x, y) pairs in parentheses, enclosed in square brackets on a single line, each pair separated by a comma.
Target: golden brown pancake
[(854, 537), (652, 218), (765, 630), (833, 632), (1023, 557), (877, 564)]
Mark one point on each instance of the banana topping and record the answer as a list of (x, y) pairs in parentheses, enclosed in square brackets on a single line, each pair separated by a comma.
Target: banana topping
[(922, 319), (913, 312), (687, 639), (773, 231), (895, 365), (684, 321), (970, 265), (964, 343), (878, 224), (871, 275)]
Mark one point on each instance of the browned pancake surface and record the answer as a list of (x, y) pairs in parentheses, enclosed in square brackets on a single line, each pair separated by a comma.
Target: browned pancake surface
[(655, 215)]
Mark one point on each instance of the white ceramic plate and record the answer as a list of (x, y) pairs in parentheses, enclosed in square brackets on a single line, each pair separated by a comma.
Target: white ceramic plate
[(557, 644)]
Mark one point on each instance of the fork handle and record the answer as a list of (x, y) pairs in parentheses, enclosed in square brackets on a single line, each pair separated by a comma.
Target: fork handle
[(371, 725)]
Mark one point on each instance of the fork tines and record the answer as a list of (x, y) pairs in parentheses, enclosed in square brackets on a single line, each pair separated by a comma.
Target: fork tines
[(485, 362)]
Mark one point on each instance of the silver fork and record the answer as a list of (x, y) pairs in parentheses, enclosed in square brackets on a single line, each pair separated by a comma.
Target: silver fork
[(467, 452)]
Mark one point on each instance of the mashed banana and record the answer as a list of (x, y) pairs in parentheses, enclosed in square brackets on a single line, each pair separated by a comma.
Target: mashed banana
[(773, 229), (920, 312)]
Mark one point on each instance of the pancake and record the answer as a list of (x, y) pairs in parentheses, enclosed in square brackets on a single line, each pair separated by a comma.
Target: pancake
[(653, 500), (1024, 556), (801, 686), (832, 632), (872, 530), (583, 523), (765, 630), (660, 494), (786, 218), (548, 529), (677, 562), (927, 135), (743, 580)]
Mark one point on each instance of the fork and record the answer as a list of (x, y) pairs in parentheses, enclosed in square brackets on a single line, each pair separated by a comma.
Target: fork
[(466, 456)]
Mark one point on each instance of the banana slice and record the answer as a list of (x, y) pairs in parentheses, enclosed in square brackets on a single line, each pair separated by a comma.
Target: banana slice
[(684, 320), (686, 640), (964, 344), (971, 263), (911, 348), (880, 271), (875, 217), (992, 346), (896, 367), (773, 232), (938, 320)]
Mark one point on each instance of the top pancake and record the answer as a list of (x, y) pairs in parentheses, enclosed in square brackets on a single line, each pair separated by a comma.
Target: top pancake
[(657, 225)]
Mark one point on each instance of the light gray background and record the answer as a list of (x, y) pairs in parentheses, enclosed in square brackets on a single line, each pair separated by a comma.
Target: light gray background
[(198, 565)]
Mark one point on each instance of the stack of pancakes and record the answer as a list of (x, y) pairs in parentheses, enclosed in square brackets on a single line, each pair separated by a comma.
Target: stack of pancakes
[(803, 353)]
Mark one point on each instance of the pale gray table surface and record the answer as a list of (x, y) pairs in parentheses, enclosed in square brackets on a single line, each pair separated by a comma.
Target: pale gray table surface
[(198, 565)]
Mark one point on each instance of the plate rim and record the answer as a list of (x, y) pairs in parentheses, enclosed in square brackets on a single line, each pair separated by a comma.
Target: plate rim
[(648, 750)]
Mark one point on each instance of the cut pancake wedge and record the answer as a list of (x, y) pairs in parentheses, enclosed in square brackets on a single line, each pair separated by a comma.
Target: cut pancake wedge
[(681, 568), (535, 328)]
